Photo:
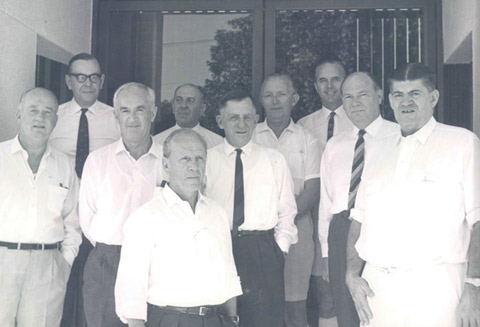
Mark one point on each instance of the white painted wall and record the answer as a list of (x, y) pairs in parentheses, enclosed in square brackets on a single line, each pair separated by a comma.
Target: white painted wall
[(460, 18), (56, 29)]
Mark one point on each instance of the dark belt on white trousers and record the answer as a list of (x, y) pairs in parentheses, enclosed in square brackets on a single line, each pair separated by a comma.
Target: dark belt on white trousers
[(29, 246), (209, 310)]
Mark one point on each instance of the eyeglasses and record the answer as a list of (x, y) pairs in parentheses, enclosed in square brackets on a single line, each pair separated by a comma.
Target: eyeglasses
[(81, 78)]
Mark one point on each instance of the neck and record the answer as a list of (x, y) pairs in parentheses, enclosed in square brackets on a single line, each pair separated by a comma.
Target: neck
[(278, 127), (187, 126), (190, 197), (85, 104), (137, 150), (332, 106), (35, 152)]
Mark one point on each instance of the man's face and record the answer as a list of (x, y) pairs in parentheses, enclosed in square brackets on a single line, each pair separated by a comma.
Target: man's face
[(278, 99), (85, 93), (134, 114), (186, 164), (38, 116), (328, 80), (412, 103), (360, 100), (238, 119), (188, 106)]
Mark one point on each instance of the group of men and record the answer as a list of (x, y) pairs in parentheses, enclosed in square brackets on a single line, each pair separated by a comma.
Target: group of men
[(375, 220)]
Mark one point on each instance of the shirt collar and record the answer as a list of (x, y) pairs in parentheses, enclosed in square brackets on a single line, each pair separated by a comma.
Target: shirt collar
[(263, 127), (373, 128), (247, 148), (172, 198), (155, 149), (17, 147), (76, 107), (195, 128), (339, 111), (424, 133)]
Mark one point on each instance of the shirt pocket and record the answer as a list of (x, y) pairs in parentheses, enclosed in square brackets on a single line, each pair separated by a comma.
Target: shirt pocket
[(56, 196)]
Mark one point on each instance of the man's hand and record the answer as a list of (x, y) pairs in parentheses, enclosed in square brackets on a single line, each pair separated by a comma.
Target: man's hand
[(325, 274), (360, 290), (468, 311), (136, 323)]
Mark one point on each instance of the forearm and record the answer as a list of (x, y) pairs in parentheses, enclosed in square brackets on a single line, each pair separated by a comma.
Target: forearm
[(136, 323), (354, 262), (308, 197), (474, 253)]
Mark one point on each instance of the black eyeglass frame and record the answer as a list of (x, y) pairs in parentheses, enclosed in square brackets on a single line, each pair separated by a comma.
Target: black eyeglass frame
[(82, 78)]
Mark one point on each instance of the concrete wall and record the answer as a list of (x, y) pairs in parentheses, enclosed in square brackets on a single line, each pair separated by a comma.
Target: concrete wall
[(56, 29), (461, 40)]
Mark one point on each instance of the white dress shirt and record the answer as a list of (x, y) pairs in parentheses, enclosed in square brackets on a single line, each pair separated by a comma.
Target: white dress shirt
[(38, 208), (317, 123), (114, 184), (268, 189), (300, 148), (174, 256), (419, 205), (102, 127), (212, 139), (336, 171)]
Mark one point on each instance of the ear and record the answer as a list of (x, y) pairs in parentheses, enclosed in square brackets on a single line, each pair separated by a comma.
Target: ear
[(257, 118), (202, 110), (435, 95), (68, 81), (154, 113), (295, 99), (316, 87), (219, 121), (380, 96), (165, 164), (102, 79)]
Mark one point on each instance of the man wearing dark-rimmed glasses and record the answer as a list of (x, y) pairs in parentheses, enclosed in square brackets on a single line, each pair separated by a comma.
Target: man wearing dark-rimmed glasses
[(84, 124)]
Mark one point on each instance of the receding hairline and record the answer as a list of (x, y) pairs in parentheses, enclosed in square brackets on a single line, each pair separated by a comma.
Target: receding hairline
[(135, 85), (366, 75), (333, 63), (191, 85), (222, 108), (175, 135), (39, 90), (282, 76)]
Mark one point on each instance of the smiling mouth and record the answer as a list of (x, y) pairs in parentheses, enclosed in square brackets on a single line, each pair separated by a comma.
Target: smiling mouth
[(407, 111)]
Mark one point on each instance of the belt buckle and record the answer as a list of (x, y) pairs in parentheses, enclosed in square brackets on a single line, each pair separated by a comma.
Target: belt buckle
[(19, 246), (203, 311)]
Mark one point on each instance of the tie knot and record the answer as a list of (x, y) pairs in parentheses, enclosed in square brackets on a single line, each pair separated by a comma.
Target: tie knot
[(84, 111), (361, 132), (239, 152), (332, 114)]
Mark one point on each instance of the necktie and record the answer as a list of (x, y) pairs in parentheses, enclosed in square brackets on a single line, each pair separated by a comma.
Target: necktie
[(238, 196), (331, 125), (357, 168), (83, 143)]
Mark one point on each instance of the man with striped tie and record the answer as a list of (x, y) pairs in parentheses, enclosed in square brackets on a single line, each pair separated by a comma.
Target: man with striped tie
[(341, 168)]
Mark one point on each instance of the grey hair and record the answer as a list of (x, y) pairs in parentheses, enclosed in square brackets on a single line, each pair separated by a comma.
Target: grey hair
[(150, 92), (167, 146), (50, 93)]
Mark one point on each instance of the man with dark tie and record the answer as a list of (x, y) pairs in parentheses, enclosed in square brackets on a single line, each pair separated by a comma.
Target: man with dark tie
[(39, 229), (343, 161), (84, 124), (254, 186), (414, 242)]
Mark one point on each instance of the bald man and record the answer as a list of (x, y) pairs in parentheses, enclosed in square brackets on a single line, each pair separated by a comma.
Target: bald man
[(40, 233)]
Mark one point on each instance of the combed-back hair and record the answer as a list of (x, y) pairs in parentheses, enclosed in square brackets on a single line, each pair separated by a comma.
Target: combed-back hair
[(414, 71), (281, 75), (167, 144), (80, 56), (331, 60), (150, 92), (234, 95), (199, 88)]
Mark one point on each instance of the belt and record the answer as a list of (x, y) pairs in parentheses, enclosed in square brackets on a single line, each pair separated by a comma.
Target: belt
[(200, 311), (254, 232), (29, 246)]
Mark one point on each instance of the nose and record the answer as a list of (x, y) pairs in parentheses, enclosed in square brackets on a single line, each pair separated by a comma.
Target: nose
[(87, 82), (241, 123), (275, 99)]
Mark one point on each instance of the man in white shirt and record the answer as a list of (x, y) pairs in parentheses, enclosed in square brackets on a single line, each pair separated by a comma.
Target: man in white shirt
[(40, 233), (324, 123), (84, 124), (340, 172), (416, 222), (302, 152), (117, 179), (177, 266), (188, 106), (255, 187)]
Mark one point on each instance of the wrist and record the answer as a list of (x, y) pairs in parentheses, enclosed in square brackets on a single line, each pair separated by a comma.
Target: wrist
[(235, 319), (473, 281)]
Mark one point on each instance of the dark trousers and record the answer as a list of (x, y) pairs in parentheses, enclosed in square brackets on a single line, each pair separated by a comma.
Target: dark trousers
[(337, 267), (160, 317), (260, 265), (99, 284), (73, 313)]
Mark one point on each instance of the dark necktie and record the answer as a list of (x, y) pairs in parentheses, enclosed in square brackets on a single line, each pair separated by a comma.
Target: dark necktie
[(331, 125), (238, 196), (357, 168), (83, 143)]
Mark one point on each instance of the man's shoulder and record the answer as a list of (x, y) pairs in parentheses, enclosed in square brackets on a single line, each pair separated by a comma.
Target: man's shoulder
[(160, 137), (104, 151), (6, 146), (455, 134), (310, 119)]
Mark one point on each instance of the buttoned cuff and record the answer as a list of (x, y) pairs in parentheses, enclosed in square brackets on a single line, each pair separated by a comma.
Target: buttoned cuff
[(69, 254), (324, 246)]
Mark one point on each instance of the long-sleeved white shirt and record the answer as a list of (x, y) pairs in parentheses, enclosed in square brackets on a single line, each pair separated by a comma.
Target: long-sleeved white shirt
[(212, 139), (114, 184), (317, 123), (418, 206), (268, 189), (300, 148), (102, 127), (174, 256), (336, 171), (40, 208)]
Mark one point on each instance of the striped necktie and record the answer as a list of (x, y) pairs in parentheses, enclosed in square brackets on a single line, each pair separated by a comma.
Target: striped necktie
[(83, 143), (238, 196), (357, 168), (331, 125)]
